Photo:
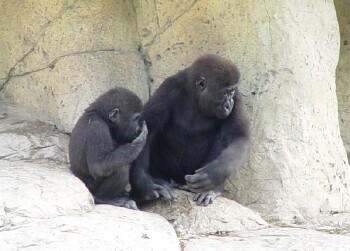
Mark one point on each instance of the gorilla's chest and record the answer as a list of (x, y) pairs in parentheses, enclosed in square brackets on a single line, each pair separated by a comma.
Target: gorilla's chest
[(189, 137)]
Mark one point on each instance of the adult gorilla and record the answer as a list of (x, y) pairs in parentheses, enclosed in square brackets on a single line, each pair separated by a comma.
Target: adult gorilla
[(198, 132)]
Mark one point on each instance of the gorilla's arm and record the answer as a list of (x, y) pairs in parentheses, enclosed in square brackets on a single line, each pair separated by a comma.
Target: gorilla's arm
[(157, 110), (103, 157), (228, 152), (156, 114)]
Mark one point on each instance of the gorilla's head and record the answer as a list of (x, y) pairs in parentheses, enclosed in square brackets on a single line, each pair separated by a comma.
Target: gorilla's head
[(214, 80), (121, 109)]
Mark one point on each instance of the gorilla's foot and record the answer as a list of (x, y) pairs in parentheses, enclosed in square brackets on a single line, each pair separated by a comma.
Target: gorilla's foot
[(119, 202)]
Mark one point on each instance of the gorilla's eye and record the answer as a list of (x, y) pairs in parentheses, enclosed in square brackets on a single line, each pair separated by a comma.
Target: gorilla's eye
[(200, 83), (113, 114), (229, 93)]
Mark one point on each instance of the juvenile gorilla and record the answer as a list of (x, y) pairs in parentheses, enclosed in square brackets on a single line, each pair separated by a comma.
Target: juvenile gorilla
[(198, 132), (104, 142)]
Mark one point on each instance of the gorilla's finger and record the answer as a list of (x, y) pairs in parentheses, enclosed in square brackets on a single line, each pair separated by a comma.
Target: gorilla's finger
[(201, 184), (190, 178), (208, 200), (195, 177), (153, 196), (170, 191), (196, 196), (201, 198), (164, 193), (200, 169), (144, 127), (182, 187), (132, 205)]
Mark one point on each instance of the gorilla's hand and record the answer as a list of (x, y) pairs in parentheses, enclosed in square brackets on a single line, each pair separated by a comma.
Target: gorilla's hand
[(164, 189), (140, 141), (205, 178), (206, 198), (150, 191)]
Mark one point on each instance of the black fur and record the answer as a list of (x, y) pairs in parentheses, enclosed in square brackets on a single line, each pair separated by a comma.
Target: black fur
[(198, 131), (103, 144)]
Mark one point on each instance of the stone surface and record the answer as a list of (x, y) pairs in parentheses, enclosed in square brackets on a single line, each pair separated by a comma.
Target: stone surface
[(71, 52), (271, 239), (336, 223), (105, 228), (343, 71), (190, 219), (25, 136), (297, 167), (43, 206), (39, 191)]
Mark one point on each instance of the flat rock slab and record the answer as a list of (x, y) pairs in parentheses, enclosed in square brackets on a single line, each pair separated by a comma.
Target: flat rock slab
[(271, 239), (190, 219), (27, 136), (40, 190), (105, 228)]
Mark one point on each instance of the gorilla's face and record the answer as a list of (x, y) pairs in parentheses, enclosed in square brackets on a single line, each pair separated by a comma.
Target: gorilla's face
[(216, 100), (215, 80), (126, 125)]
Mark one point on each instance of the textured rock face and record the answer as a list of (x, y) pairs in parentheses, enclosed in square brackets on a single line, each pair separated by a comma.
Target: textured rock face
[(44, 207), (272, 239), (297, 167), (105, 228), (343, 71), (71, 52), (189, 219)]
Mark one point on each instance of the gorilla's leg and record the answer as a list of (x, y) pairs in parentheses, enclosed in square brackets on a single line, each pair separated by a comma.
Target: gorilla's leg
[(111, 190)]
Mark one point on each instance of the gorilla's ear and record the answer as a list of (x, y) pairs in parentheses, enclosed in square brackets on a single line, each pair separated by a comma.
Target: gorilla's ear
[(200, 83), (113, 115)]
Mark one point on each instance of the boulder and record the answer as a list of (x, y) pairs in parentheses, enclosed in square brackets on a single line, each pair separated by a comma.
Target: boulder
[(39, 191), (44, 206), (105, 228), (27, 136), (222, 216), (271, 239)]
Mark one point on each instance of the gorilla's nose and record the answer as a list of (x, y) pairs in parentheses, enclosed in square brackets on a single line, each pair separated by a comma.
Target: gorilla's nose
[(227, 106)]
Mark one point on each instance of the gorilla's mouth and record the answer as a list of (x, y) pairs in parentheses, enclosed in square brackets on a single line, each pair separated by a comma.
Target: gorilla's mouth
[(225, 109)]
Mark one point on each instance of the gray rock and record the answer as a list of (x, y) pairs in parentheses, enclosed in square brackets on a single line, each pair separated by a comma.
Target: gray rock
[(25, 136), (105, 228), (190, 219), (43, 206), (39, 191), (271, 239), (69, 54), (297, 166), (343, 71)]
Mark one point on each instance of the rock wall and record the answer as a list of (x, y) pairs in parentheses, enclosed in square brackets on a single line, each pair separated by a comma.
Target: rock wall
[(297, 166), (343, 71), (65, 53)]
